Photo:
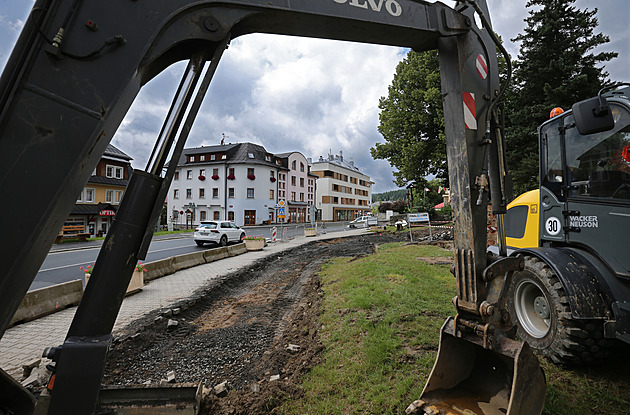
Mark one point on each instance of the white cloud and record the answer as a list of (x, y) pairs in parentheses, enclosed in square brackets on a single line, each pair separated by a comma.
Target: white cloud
[(313, 96)]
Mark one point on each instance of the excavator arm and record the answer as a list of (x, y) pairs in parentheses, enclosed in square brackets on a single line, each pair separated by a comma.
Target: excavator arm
[(79, 64)]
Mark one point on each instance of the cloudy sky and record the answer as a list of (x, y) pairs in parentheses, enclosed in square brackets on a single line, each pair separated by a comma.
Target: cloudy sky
[(307, 95)]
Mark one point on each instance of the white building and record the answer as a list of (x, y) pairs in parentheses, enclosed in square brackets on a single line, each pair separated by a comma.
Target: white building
[(343, 192), (240, 182)]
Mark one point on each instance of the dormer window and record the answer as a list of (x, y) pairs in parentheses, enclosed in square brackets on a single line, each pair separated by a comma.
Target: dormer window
[(224, 157), (268, 157), (192, 158), (213, 156), (202, 158), (250, 155)]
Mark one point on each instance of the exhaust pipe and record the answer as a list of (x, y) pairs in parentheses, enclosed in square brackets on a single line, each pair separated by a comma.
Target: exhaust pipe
[(478, 372)]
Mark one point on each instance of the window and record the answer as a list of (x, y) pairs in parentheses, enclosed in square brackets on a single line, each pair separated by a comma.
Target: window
[(216, 215), (188, 193), (598, 165), (224, 156), (231, 215), (301, 197), (250, 171), (293, 165), (272, 173), (202, 158), (202, 214), (202, 193), (271, 194), (293, 196), (302, 167), (175, 193), (115, 172), (250, 155), (231, 193), (109, 196), (301, 181), (292, 180), (250, 193), (213, 157), (215, 172), (176, 175), (118, 196), (279, 162), (192, 158), (268, 157), (188, 174), (215, 192), (89, 195), (202, 172), (231, 171)]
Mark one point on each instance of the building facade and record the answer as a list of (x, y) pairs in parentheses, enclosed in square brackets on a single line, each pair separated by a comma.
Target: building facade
[(240, 182), (98, 202), (296, 187), (342, 191)]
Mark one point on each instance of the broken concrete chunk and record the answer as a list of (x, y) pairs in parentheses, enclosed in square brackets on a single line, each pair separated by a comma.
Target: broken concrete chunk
[(39, 377), (415, 407), (255, 387), (172, 324), (28, 367), (293, 348), (176, 311), (274, 377), (221, 389), (170, 377)]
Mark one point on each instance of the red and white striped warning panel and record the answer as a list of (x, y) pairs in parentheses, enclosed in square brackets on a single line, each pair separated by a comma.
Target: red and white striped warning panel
[(482, 67), (470, 114)]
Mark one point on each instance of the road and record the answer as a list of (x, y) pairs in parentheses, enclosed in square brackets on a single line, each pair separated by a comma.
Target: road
[(64, 262)]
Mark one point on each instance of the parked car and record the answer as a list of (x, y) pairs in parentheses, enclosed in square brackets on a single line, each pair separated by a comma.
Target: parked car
[(364, 221), (220, 232)]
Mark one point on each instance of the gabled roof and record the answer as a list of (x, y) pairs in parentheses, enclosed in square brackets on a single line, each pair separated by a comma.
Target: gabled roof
[(113, 151)]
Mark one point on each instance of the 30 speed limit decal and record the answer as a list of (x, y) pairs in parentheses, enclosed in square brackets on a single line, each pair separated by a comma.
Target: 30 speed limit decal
[(553, 226)]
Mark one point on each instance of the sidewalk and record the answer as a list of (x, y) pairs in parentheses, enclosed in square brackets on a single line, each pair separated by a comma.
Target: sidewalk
[(26, 342)]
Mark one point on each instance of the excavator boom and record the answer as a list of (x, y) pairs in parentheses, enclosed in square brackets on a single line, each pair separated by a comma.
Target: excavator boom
[(79, 64)]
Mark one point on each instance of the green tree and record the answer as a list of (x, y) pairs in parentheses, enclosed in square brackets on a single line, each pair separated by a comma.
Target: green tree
[(556, 67), (412, 121)]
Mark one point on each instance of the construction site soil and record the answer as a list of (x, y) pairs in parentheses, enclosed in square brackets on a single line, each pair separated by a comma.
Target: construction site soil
[(238, 329)]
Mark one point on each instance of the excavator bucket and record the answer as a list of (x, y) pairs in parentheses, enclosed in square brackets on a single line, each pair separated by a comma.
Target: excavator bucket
[(470, 379)]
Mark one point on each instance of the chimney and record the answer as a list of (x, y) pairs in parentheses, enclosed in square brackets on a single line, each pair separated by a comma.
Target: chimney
[(340, 155)]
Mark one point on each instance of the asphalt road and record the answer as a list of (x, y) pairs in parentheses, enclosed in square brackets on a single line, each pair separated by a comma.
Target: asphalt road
[(64, 261)]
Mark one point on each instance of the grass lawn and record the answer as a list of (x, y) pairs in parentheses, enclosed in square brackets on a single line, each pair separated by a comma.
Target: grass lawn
[(381, 320)]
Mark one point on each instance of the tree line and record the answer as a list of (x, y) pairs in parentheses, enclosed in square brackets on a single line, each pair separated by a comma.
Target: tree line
[(556, 67)]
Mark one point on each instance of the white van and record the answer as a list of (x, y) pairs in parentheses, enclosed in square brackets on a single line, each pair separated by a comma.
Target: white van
[(364, 221)]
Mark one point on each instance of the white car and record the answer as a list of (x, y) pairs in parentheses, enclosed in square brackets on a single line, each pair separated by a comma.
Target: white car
[(363, 221), (220, 232)]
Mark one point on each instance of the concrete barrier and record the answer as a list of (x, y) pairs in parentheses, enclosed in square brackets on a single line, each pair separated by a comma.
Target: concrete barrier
[(237, 249), (216, 254), (38, 303), (158, 269), (188, 260)]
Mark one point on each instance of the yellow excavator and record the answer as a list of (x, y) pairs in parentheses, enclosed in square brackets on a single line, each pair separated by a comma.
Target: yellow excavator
[(572, 300)]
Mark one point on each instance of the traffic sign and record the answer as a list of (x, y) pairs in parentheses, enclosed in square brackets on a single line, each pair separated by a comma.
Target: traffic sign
[(281, 214)]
